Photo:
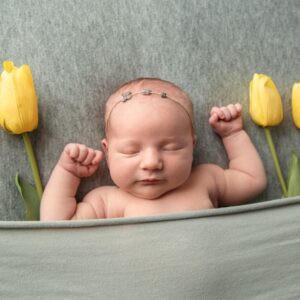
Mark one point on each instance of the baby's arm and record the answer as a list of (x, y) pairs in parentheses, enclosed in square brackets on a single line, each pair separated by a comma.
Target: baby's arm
[(58, 201), (245, 177)]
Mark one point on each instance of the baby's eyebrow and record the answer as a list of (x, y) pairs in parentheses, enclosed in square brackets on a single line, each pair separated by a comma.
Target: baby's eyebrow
[(162, 141), (128, 142)]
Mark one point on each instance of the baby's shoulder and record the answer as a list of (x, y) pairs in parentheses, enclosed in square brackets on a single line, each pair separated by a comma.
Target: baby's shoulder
[(104, 193), (110, 197), (211, 177), (207, 171), (100, 192)]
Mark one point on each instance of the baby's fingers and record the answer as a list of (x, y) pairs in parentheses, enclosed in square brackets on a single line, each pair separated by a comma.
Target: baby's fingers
[(227, 113), (93, 166), (213, 118), (83, 153), (98, 157), (80, 153), (72, 150), (222, 113), (89, 157), (93, 157), (235, 109), (218, 113)]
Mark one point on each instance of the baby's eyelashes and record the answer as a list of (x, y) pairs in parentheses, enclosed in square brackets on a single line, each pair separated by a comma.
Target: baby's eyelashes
[(129, 151), (136, 151), (172, 147)]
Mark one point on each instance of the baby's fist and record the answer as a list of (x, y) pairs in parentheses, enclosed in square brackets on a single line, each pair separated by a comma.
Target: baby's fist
[(80, 160), (226, 120)]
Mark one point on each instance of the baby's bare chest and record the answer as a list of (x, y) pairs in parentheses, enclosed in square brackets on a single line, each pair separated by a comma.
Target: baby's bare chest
[(173, 202), (193, 195)]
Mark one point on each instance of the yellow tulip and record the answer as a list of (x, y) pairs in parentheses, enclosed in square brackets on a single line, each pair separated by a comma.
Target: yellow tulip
[(266, 110), (265, 101), (19, 115), (18, 99), (296, 104)]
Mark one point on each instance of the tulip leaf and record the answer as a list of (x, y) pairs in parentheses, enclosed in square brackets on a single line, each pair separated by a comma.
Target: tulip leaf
[(30, 196), (294, 176)]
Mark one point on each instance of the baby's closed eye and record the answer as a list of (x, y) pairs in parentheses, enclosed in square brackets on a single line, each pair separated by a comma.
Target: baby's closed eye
[(129, 150), (172, 147)]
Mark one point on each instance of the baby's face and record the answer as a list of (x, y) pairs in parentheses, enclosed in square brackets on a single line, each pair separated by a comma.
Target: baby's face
[(149, 145)]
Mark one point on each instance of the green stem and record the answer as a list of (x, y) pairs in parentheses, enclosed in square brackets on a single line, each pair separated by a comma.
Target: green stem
[(276, 161), (33, 164)]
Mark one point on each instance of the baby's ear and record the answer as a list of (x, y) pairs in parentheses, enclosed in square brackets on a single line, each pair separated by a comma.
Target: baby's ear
[(194, 139), (104, 144)]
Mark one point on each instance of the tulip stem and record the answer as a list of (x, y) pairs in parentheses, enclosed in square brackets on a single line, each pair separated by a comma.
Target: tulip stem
[(276, 161), (33, 164)]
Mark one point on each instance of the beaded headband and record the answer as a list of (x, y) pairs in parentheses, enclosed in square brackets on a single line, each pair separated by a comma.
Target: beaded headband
[(128, 95)]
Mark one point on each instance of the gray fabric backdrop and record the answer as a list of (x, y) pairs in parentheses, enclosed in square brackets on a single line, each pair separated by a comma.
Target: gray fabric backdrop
[(79, 51)]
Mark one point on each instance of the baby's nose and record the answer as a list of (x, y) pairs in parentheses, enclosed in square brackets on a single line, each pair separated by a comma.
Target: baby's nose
[(151, 160)]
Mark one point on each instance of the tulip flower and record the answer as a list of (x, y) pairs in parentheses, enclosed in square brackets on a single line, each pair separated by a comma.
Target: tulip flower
[(296, 104), (265, 101), (19, 111), (18, 100), (294, 166), (266, 110)]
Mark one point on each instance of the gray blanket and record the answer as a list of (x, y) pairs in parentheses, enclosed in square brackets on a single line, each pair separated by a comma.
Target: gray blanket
[(247, 252)]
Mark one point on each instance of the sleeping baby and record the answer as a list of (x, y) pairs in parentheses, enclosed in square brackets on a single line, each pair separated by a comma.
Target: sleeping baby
[(148, 146)]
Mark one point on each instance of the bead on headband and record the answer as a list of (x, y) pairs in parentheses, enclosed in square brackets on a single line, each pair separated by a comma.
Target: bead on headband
[(128, 96)]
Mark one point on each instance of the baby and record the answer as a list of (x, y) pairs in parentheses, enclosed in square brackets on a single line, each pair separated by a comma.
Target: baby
[(148, 145)]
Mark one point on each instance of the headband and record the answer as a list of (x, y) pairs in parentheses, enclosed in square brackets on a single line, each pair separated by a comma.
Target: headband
[(128, 96)]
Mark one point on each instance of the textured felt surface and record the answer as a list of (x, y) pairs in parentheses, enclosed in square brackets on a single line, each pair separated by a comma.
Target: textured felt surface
[(246, 252), (79, 51)]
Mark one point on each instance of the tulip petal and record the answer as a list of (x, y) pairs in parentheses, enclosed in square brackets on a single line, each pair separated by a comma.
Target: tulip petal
[(265, 101), (18, 99), (296, 104), (8, 66), (8, 105), (5, 128), (26, 99)]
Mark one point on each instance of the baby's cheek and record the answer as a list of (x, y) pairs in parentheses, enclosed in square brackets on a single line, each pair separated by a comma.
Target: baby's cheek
[(118, 177), (180, 169), (120, 172)]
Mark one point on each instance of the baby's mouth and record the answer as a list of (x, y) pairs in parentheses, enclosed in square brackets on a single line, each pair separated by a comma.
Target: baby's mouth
[(150, 181)]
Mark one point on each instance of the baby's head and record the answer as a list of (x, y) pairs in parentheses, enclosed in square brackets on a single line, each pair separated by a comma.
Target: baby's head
[(149, 126), (149, 86)]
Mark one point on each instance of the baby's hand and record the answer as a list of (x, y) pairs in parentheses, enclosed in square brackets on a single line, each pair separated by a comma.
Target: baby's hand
[(80, 160), (226, 120)]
